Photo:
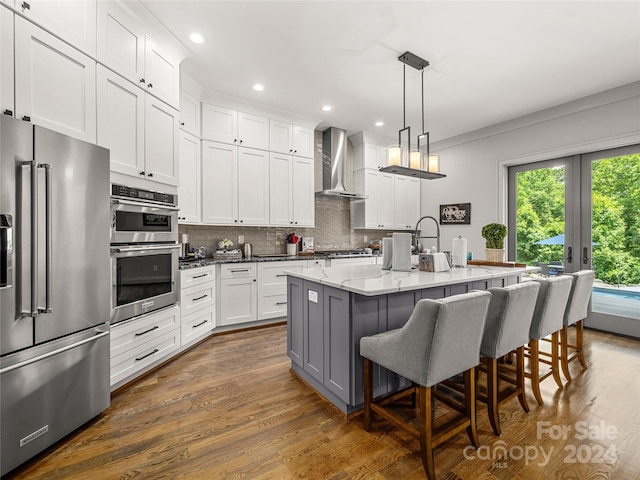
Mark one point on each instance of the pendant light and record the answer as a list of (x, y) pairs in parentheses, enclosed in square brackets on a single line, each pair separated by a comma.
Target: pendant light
[(406, 161)]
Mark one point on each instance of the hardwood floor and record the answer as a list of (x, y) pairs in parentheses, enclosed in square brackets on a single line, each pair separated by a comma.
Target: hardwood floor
[(230, 409)]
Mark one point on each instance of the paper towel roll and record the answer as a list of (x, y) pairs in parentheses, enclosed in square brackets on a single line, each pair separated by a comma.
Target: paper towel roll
[(387, 253), (459, 252), (401, 252)]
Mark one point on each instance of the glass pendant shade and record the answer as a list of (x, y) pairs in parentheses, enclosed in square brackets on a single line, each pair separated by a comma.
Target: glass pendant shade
[(415, 160), (433, 165), (394, 155)]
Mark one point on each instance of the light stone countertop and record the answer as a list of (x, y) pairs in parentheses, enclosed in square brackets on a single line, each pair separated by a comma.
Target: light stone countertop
[(371, 280)]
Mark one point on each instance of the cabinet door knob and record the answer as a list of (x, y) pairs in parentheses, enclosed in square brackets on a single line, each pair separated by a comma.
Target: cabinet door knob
[(235, 140), (182, 124), (26, 118), (8, 112), (25, 6), (240, 141), (150, 85), (141, 173), (150, 174), (142, 80), (236, 221), (241, 221)]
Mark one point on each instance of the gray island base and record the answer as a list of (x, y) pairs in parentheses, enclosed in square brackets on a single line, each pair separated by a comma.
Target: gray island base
[(330, 309)]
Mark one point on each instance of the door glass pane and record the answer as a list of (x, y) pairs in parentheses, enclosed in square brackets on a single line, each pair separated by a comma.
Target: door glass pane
[(615, 223), (540, 218)]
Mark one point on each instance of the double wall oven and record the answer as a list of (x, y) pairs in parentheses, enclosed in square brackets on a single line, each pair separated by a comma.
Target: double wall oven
[(144, 251)]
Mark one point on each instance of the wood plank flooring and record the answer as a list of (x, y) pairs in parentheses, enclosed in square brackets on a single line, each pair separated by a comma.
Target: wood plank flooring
[(230, 409)]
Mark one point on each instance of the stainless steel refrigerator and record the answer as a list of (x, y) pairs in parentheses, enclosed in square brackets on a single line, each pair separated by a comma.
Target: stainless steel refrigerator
[(54, 287)]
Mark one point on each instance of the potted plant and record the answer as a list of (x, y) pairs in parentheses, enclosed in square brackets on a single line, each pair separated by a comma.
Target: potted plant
[(494, 234)]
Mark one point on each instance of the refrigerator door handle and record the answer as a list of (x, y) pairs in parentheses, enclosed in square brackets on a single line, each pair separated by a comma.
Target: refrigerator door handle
[(52, 353), (6, 239), (48, 237), (34, 238)]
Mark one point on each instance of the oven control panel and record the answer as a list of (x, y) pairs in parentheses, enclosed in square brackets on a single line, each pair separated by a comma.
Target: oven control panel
[(122, 191)]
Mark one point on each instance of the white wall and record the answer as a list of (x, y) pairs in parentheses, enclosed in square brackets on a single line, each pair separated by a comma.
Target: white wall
[(476, 163)]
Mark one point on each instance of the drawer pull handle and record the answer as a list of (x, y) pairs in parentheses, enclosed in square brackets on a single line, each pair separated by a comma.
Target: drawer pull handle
[(242, 270), (200, 324), (199, 298), (155, 350), (200, 276), (147, 331), (281, 303)]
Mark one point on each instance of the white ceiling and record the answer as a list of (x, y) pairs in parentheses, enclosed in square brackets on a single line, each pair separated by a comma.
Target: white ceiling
[(490, 60)]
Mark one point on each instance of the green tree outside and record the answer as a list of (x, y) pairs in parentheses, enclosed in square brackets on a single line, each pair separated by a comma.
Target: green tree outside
[(615, 217)]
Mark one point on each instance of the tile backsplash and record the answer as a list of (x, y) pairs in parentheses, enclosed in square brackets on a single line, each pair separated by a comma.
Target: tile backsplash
[(332, 219)]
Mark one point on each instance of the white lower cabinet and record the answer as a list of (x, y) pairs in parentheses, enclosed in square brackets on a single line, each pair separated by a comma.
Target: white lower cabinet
[(340, 262), (272, 287), (238, 293), (197, 303), (142, 341)]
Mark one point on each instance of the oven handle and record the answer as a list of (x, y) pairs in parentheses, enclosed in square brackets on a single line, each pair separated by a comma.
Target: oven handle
[(144, 204), (139, 248)]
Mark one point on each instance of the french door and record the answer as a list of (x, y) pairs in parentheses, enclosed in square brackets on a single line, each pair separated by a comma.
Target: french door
[(583, 212)]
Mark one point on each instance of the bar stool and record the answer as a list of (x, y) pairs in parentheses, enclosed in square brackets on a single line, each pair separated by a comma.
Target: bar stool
[(507, 329), (576, 312), (547, 320), (441, 339)]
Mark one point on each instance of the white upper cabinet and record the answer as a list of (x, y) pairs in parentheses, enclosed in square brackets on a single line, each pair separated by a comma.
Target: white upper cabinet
[(124, 46), (377, 211), (189, 191), (292, 139), (140, 131), (219, 183), (406, 202), (367, 155), (7, 106), (235, 185), (189, 113), (253, 186), (291, 197), (55, 84), (229, 126), (161, 142), (121, 111), (73, 20)]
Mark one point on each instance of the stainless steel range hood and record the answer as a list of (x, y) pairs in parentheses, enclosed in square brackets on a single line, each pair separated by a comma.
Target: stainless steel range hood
[(334, 165)]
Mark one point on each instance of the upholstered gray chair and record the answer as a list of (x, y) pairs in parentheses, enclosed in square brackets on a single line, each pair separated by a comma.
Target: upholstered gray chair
[(547, 320), (507, 329), (576, 312), (441, 339)]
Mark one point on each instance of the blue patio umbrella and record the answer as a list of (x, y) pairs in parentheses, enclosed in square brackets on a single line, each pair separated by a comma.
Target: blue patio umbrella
[(557, 240)]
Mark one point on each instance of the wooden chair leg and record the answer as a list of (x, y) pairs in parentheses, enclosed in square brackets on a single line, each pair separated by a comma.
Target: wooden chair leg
[(492, 394), (564, 352), (426, 431), (522, 398), (555, 359), (368, 393), (535, 369), (470, 405), (579, 340)]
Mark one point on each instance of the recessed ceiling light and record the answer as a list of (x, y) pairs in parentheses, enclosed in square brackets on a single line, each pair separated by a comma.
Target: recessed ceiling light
[(379, 124), (258, 87), (196, 38), (326, 108)]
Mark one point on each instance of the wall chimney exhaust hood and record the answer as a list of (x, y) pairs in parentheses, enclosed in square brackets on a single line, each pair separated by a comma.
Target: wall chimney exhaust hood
[(334, 165)]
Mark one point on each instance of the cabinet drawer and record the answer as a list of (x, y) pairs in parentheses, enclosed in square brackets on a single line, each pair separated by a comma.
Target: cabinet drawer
[(130, 334), (197, 325), (196, 276), (272, 304), (271, 274), (196, 298), (238, 270), (138, 358)]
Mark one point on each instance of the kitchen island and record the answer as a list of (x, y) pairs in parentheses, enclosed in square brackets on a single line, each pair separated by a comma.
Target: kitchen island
[(330, 309)]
